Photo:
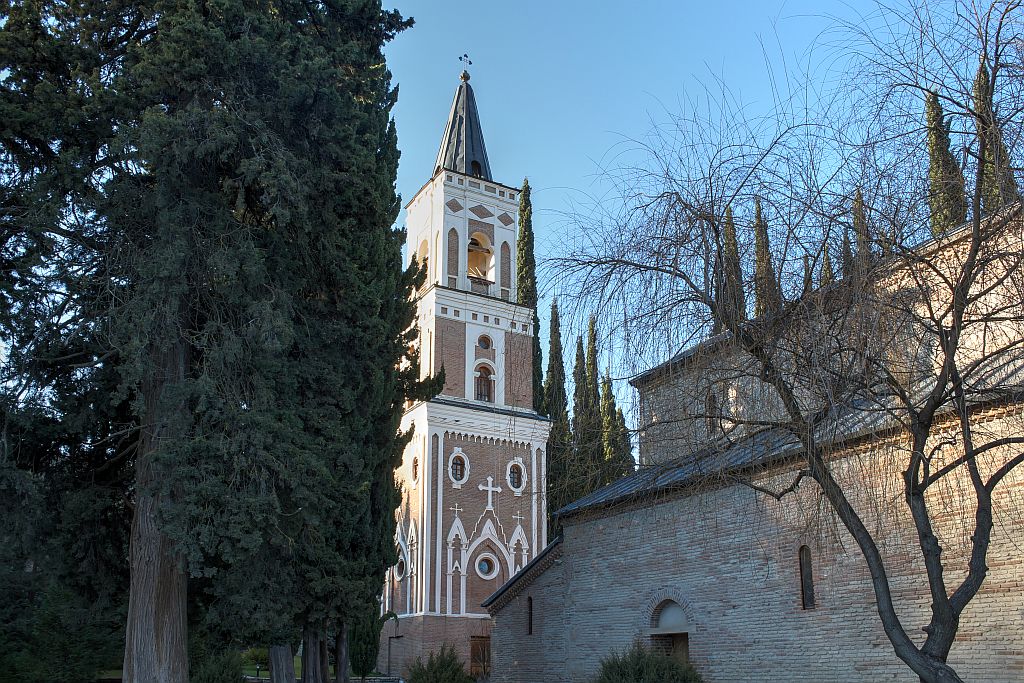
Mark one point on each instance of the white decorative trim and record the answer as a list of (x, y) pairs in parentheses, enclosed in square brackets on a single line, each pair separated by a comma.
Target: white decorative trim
[(495, 565), (516, 461), (457, 483)]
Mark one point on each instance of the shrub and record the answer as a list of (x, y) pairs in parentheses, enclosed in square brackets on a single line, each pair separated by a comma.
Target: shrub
[(257, 655), (443, 666), (211, 660), (640, 665)]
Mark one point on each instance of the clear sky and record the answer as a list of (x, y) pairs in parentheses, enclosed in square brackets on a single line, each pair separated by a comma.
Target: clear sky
[(563, 85)]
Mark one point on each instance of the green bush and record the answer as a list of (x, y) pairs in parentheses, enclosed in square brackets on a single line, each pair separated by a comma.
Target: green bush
[(257, 655), (443, 666), (211, 660), (640, 665)]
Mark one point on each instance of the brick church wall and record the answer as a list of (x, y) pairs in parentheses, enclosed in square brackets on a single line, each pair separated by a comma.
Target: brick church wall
[(423, 634), (729, 557), (451, 352), (516, 654), (518, 370)]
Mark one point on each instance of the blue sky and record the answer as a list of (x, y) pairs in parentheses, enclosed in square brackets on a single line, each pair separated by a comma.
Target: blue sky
[(562, 86)]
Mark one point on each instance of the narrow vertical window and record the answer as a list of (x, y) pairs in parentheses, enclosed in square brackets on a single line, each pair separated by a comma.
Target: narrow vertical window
[(806, 578), (529, 616)]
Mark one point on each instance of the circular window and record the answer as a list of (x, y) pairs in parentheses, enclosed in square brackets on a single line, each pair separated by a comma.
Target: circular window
[(484, 342), (400, 569), (487, 566), (458, 468)]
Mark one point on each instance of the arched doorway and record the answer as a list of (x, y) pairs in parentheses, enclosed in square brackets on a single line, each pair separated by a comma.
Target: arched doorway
[(670, 631)]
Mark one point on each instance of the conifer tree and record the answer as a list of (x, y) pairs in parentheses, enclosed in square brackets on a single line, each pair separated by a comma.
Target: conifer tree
[(556, 407), (828, 273), (526, 286), (586, 422), (864, 257), (999, 187), (767, 296), (848, 263), (618, 455), (947, 199), (808, 275), (730, 296)]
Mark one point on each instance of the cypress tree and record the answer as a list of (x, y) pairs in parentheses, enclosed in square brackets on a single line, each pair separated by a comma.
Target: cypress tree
[(586, 422), (847, 265), (730, 290), (526, 286), (618, 456), (947, 199), (258, 329), (864, 257), (808, 275), (767, 296), (998, 186), (556, 406), (828, 274)]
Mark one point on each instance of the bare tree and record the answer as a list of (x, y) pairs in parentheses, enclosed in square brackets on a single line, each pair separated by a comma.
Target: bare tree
[(921, 338)]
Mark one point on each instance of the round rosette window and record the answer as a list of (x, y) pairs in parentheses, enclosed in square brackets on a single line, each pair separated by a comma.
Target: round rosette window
[(400, 569), (487, 566)]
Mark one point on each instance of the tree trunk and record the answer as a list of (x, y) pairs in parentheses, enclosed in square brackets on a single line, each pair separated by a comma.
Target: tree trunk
[(156, 632), (341, 654), (282, 664), (325, 662), (311, 662)]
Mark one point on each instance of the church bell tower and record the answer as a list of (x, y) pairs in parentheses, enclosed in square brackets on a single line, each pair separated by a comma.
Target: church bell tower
[(474, 507)]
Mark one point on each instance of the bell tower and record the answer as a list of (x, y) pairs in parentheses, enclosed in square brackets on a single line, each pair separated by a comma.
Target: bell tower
[(474, 508)]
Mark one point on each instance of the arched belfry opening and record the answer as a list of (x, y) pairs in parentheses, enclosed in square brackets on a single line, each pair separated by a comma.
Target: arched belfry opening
[(670, 631), (480, 258)]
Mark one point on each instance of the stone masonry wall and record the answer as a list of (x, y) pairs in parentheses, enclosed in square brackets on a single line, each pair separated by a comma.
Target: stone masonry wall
[(519, 370), (423, 634), (451, 354), (729, 557)]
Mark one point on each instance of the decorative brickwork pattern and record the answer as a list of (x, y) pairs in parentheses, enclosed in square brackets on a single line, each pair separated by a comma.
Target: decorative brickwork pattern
[(451, 350), (518, 370)]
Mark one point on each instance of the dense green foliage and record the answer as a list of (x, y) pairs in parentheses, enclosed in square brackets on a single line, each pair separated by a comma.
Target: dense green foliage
[(640, 665), (618, 451), (767, 295), (526, 286), (364, 642), (556, 406), (947, 199), (197, 238), (998, 185), (729, 278), (443, 666)]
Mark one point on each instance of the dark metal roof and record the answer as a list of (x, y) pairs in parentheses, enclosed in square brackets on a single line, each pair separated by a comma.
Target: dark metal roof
[(527, 570), (463, 141), (725, 459)]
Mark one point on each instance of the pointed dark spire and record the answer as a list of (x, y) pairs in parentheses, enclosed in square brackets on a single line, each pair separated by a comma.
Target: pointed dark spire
[(462, 147)]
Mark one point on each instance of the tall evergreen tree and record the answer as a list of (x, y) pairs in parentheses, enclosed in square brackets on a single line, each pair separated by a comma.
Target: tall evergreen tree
[(730, 294), (808, 275), (828, 273), (556, 406), (586, 425), (767, 295), (947, 199), (848, 262), (237, 287), (864, 255), (526, 286), (618, 454), (999, 187)]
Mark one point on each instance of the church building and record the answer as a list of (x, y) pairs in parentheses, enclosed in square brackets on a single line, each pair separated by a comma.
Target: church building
[(473, 476)]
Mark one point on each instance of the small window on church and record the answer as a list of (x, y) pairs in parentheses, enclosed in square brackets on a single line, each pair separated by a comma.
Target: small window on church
[(400, 569), (484, 342), (457, 468), (529, 616), (484, 384), (806, 578), (487, 566), (415, 469), (515, 476), (476, 169)]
